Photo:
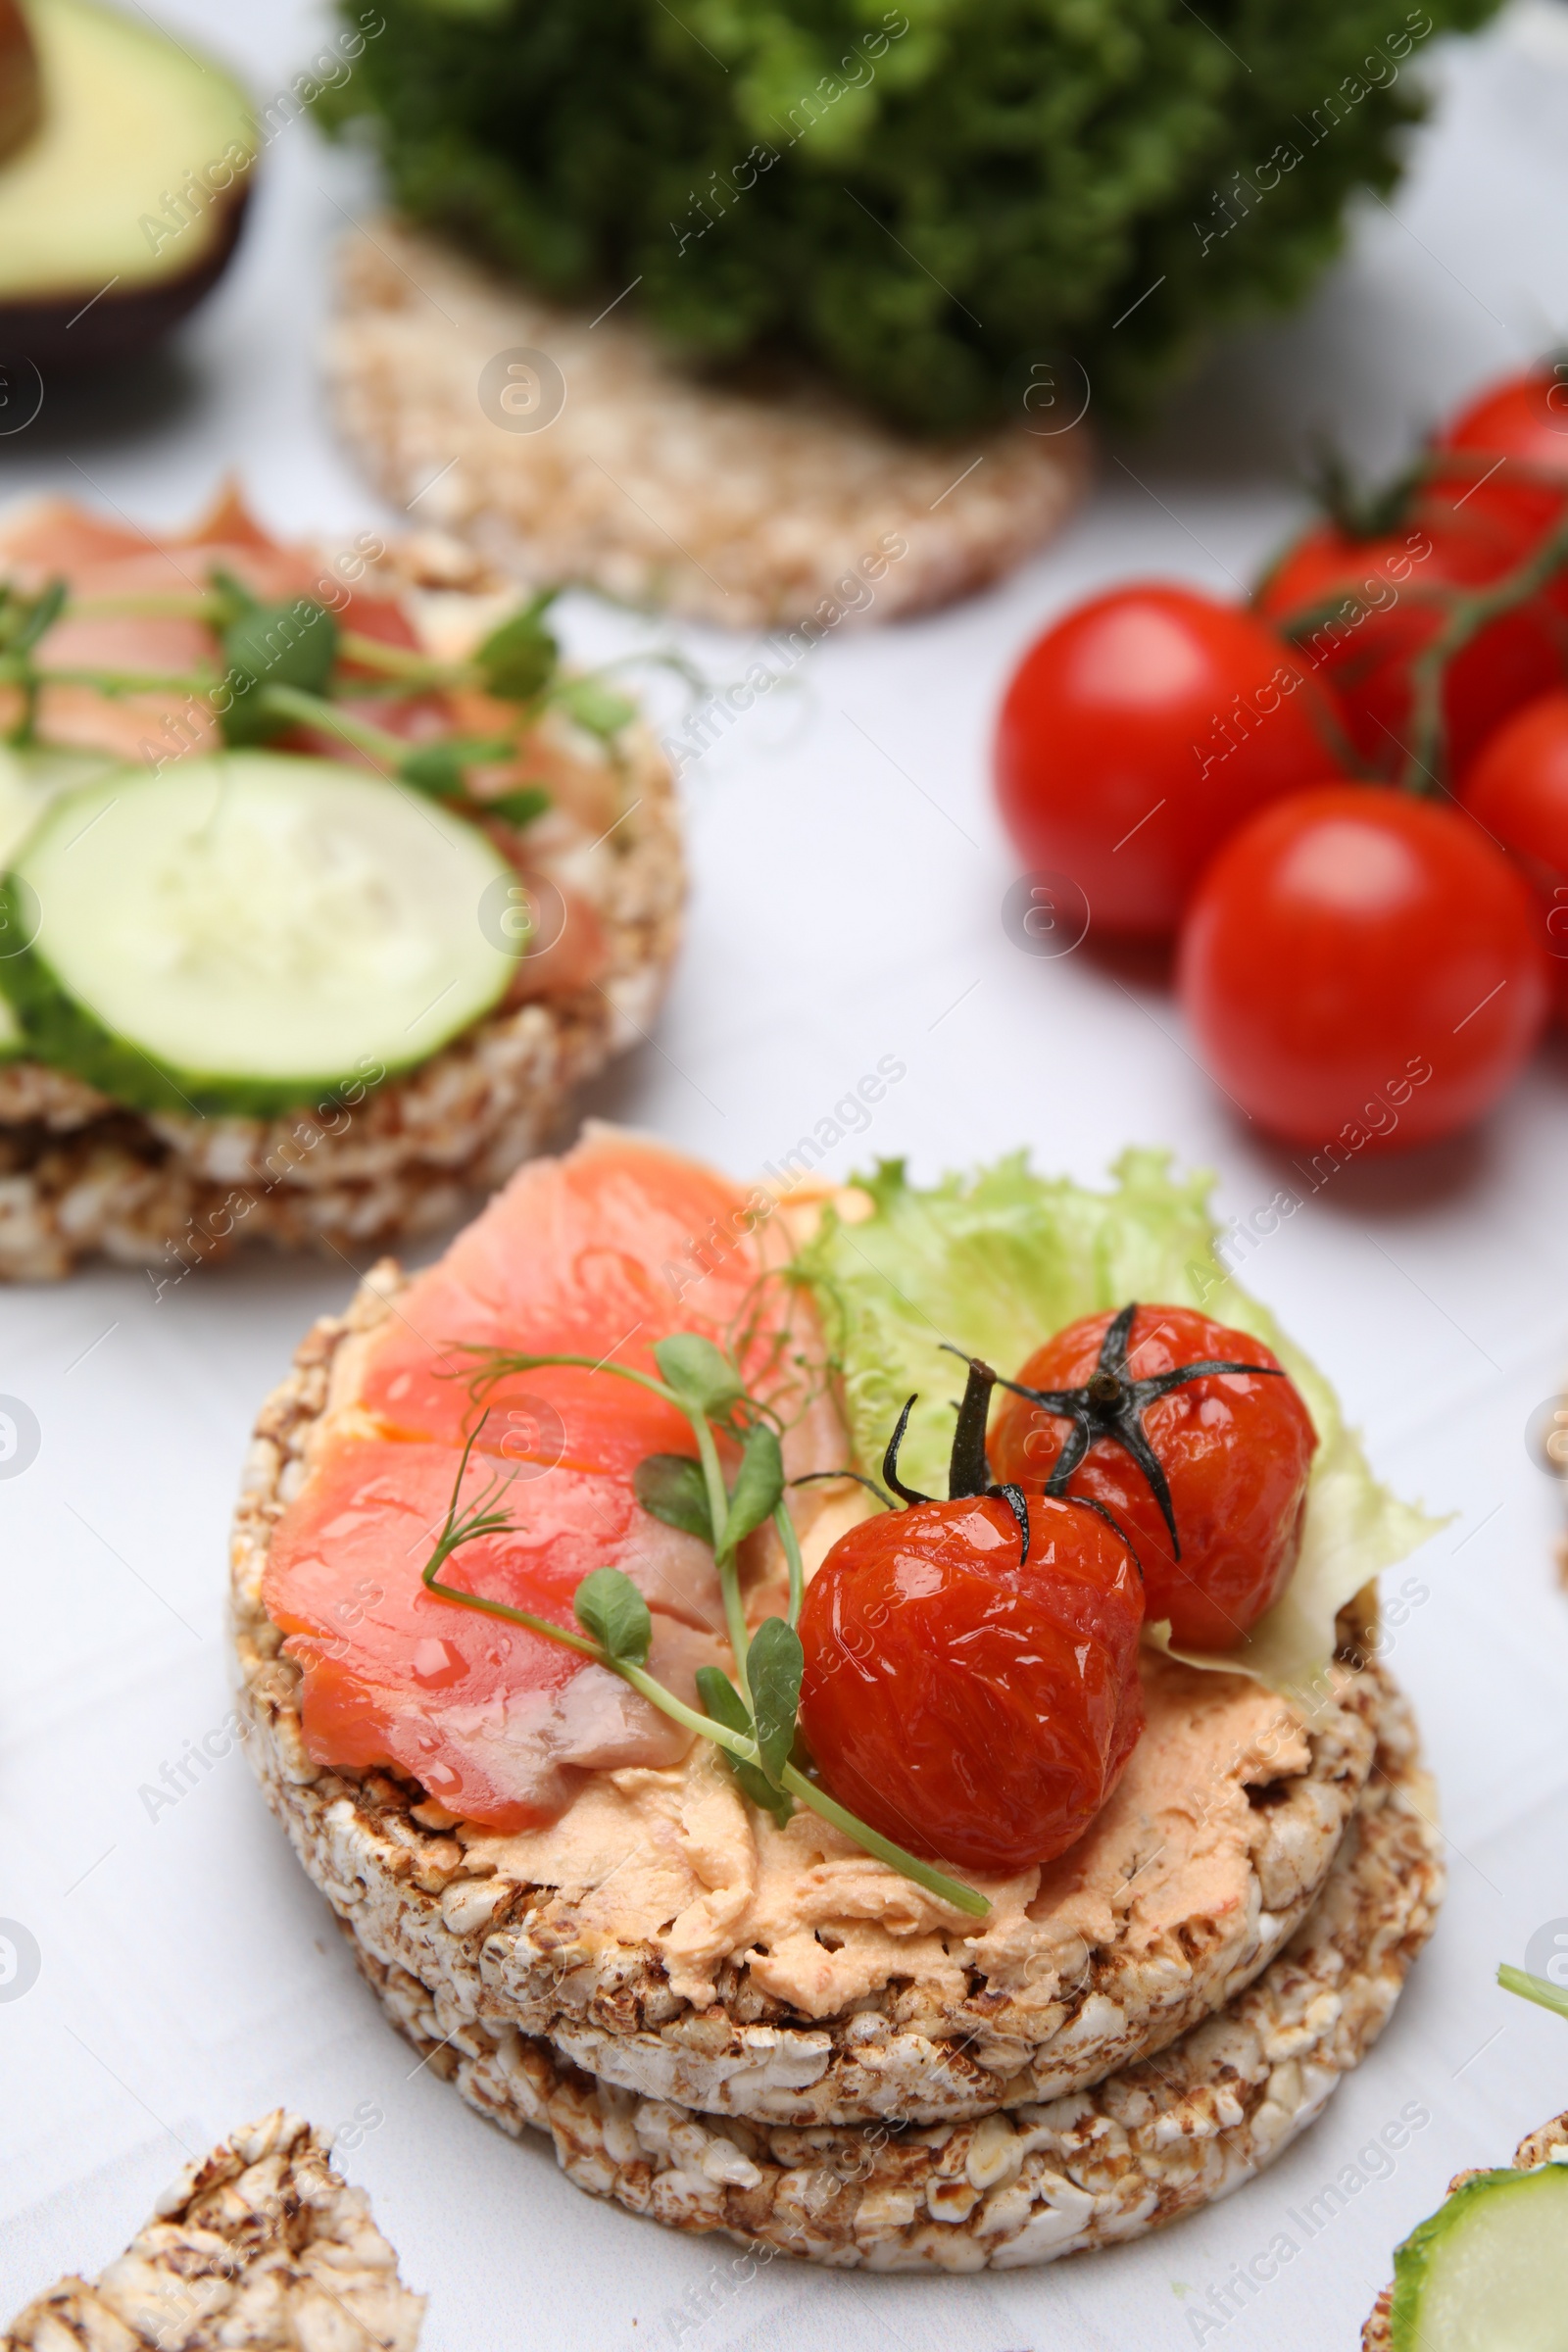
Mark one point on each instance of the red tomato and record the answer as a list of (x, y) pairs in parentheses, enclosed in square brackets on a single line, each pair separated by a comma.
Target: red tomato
[(1525, 416), (1518, 789), (1234, 1450), (1360, 611), (1142, 730), (1510, 454), (1364, 970), (972, 1706)]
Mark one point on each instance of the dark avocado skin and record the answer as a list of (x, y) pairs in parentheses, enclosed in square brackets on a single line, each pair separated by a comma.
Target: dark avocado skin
[(57, 337)]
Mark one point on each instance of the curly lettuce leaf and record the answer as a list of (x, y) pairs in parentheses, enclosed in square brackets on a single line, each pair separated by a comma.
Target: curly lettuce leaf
[(993, 1263), (920, 201)]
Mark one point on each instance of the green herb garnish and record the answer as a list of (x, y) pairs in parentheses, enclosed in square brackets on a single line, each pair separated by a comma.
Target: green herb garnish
[(1540, 1989), (283, 664)]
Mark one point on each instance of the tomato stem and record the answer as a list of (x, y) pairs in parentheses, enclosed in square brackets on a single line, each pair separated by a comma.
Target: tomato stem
[(1426, 756), (1466, 616)]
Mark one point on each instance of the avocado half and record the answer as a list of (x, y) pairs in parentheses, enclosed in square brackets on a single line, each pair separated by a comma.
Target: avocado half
[(124, 169)]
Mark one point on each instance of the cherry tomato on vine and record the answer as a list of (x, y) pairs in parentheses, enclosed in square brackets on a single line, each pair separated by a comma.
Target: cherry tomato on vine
[(1364, 970), (1525, 418), (1206, 1471), (1507, 461), (1140, 731), (1518, 790), (975, 1706), (1364, 610)]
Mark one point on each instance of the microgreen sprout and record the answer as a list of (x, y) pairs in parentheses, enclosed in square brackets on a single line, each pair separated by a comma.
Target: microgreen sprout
[(289, 664), (1539, 1989), (753, 1719), (24, 620)]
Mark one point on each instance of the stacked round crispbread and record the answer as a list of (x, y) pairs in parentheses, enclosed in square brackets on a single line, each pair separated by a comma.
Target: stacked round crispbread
[(79, 1173), (1547, 2143), (847, 2068), (259, 2247), (569, 447)]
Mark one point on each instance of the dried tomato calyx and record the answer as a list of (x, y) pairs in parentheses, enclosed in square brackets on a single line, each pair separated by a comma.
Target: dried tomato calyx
[(968, 1471), (1112, 1405)]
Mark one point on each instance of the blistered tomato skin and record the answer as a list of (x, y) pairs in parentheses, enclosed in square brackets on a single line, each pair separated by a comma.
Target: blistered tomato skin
[(1236, 1450), (976, 1708)]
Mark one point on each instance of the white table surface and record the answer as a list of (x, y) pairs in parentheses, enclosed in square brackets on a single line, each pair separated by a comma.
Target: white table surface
[(849, 874)]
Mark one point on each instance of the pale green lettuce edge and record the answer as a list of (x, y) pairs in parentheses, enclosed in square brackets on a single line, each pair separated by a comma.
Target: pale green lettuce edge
[(994, 1262)]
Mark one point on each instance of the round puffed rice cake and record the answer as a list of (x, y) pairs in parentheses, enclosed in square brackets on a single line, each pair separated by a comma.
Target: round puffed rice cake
[(1067, 2001), (1152, 2142), (80, 1174), (605, 462)]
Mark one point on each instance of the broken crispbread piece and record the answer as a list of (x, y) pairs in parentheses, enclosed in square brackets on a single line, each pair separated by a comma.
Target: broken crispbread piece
[(259, 2247)]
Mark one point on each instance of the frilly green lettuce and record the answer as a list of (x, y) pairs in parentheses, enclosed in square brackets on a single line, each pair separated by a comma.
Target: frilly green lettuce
[(993, 1263)]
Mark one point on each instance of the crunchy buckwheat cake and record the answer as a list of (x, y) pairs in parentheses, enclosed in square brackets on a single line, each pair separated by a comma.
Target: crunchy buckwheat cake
[(743, 507), (1129, 2154), (685, 1951), (1547, 2143), (82, 1174), (262, 2247)]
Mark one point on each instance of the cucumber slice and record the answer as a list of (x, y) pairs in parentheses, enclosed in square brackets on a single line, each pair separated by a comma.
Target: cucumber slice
[(1489, 2272), (21, 805), (30, 780), (28, 783), (244, 933)]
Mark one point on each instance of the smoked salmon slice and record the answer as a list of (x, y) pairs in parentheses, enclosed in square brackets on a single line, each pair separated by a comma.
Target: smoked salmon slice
[(107, 565), (600, 1253)]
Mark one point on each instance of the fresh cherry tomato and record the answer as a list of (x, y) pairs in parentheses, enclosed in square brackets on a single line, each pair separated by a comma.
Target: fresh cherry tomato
[(1363, 610), (1518, 789), (972, 1705), (1364, 970), (1525, 416), (1503, 461), (1234, 1450), (1142, 730)]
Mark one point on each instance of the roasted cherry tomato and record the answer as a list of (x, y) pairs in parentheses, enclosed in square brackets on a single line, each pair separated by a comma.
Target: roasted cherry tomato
[(1142, 730), (1518, 790), (973, 1704), (1364, 971), (1206, 1471)]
